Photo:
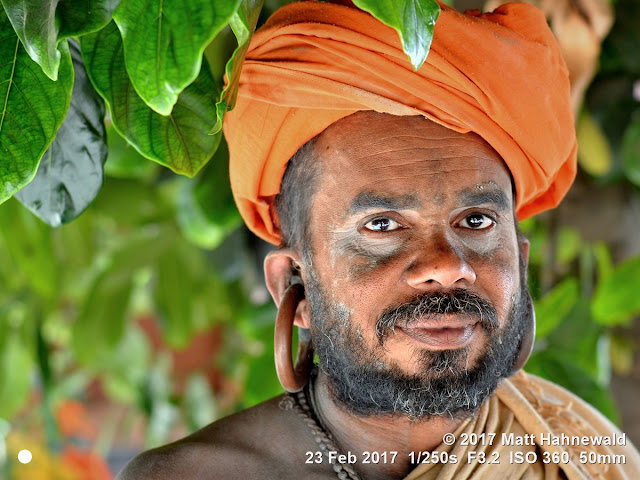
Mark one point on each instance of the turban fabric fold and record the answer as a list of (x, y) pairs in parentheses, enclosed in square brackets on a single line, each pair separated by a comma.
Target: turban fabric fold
[(500, 75)]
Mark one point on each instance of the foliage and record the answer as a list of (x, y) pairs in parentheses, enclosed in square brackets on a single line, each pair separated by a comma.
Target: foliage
[(77, 302), (146, 60), (413, 20), (89, 292)]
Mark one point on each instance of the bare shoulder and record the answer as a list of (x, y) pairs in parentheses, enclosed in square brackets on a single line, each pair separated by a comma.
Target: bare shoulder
[(261, 442)]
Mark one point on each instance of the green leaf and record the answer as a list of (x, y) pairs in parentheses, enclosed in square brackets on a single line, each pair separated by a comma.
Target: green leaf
[(28, 242), (554, 306), (35, 23), (164, 42), (15, 371), (569, 245), (579, 338), (631, 151), (212, 191), (262, 380), (173, 295), (124, 161), (412, 19), (130, 203), (103, 313), (603, 260), (70, 174), (180, 141), (101, 322), (243, 23), (32, 108), (594, 151), (80, 18), (616, 298), (623, 350), (42, 24), (206, 211)]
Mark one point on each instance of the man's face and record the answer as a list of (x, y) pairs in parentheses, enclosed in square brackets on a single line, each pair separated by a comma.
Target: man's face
[(417, 299)]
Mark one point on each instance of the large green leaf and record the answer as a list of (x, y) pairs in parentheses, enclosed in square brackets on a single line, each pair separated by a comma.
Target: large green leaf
[(80, 18), (412, 19), (243, 23), (206, 212), (579, 338), (616, 298), (32, 108), (180, 141), (164, 42), (554, 306), (41, 24), (70, 173), (35, 23)]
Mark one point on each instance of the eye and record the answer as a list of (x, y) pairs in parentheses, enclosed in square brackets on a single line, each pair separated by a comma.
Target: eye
[(382, 224), (477, 221)]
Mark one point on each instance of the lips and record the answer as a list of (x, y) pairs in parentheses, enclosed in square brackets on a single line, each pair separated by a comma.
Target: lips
[(442, 334)]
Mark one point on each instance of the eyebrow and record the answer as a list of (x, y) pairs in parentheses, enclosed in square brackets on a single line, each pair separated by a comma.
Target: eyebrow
[(494, 196), (365, 201)]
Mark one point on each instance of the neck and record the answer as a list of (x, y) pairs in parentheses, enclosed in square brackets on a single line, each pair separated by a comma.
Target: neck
[(384, 435)]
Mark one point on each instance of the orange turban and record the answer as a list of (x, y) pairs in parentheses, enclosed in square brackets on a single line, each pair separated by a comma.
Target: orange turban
[(500, 75)]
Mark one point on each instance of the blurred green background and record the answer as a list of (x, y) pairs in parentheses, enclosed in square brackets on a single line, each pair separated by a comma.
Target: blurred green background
[(147, 316)]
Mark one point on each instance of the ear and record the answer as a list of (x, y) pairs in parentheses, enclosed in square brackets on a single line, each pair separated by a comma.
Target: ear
[(279, 268)]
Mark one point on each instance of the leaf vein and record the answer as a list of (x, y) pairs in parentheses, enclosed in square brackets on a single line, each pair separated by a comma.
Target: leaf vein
[(6, 98)]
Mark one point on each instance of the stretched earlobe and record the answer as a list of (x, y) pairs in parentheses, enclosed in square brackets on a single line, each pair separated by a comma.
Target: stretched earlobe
[(292, 378)]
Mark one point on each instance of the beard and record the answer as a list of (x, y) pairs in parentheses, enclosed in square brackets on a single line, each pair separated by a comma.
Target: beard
[(443, 383)]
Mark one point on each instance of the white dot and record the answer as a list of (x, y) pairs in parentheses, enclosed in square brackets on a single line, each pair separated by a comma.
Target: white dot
[(24, 456)]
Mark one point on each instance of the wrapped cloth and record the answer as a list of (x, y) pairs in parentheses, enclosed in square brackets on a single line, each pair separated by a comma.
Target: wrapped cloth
[(531, 429), (500, 75)]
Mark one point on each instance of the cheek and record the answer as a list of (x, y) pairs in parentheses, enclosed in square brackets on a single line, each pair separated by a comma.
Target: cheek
[(356, 257), (497, 278)]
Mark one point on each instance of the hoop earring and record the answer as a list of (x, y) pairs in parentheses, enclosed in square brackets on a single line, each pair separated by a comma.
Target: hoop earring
[(528, 339), (293, 379)]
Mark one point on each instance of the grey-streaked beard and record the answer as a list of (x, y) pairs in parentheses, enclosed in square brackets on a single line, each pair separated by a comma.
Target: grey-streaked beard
[(443, 384)]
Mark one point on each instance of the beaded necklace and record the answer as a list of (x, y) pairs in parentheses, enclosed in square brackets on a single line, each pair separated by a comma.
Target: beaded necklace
[(303, 403)]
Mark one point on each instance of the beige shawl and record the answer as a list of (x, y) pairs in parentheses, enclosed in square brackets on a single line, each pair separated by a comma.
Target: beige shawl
[(537, 413)]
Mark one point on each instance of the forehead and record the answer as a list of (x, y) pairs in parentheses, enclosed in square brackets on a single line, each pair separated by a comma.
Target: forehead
[(405, 157)]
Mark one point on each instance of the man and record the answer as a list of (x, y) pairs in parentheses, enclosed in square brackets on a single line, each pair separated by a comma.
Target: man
[(394, 197)]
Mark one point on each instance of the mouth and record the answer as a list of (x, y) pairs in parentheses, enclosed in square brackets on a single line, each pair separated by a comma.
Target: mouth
[(442, 334)]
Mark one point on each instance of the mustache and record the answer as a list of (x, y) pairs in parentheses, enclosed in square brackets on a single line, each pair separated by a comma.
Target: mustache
[(457, 301)]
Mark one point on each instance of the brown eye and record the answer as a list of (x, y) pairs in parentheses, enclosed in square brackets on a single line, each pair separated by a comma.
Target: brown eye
[(382, 224), (477, 221)]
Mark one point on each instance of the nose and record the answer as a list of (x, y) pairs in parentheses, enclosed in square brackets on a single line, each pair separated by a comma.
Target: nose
[(439, 264)]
